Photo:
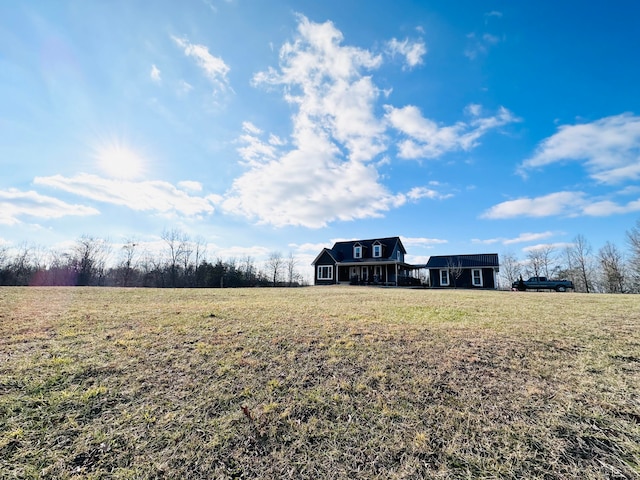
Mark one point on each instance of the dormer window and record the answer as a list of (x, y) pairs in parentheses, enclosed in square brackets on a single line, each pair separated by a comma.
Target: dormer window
[(357, 251), (377, 250)]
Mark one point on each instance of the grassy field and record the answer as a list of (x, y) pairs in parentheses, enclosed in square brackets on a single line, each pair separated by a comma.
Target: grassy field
[(315, 383)]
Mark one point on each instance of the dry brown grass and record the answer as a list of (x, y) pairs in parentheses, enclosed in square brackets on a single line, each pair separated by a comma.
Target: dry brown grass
[(344, 382)]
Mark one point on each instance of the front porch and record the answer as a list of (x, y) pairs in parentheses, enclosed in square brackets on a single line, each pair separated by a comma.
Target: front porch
[(389, 274)]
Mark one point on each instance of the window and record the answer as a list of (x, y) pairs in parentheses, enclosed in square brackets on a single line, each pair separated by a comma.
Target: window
[(399, 256), (444, 278), (325, 272), (377, 250), (357, 251), (476, 277)]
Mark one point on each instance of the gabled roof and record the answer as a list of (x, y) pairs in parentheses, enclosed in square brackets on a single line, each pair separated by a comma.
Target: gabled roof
[(328, 252), (465, 261), (343, 251)]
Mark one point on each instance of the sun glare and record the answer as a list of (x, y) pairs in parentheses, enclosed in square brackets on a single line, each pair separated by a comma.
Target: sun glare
[(119, 161)]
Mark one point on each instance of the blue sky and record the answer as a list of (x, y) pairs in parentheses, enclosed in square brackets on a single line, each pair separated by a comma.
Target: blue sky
[(463, 127)]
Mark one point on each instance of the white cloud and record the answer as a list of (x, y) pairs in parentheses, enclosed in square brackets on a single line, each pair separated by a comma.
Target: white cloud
[(190, 185), (311, 248), (426, 139), (15, 204), (605, 208), (608, 148), (324, 80), (560, 203), (554, 246), (479, 44), (489, 39), (256, 151), (239, 253), (155, 74), (309, 188), (327, 169), (413, 52), (251, 128), (208, 3), (184, 87), (417, 259), (155, 196), (213, 67), (522, 238), (473, 109), (326, 173), (528, 237), (488, 241), (418, 193), (421, 241)]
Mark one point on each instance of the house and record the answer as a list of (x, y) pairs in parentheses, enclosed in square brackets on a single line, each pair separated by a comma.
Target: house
[(464, 271), (379, 261)]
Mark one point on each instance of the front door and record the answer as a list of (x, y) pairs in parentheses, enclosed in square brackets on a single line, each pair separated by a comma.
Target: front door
[(377, 274), (353, 273), (365, 274)]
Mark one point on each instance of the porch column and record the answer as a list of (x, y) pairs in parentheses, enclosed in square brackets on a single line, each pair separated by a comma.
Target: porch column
[(396, 274)]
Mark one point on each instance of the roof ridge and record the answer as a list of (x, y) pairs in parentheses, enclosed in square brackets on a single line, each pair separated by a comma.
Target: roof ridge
[(368, 239)]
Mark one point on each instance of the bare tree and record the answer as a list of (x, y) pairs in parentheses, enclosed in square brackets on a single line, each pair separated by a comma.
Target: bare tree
[(534, 263), (580, 255), (61, 271), (20, 266), (274, 265), (153, 271), (248, 269), (147, 268), (129, 262), (291, 264), (455, 270), (88, 258), (176, 241), (200, 253), (612, 265), (4, 264), (4, 255), (541, 260), (510, 268), (633, 240), (187, 252), (39, 264)]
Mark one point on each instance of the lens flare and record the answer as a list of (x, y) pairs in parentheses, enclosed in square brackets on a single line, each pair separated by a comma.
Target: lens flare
[(117, 160)]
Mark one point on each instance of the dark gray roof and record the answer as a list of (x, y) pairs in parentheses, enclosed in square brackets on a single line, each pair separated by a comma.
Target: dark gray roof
[(465, 261), (343, 251)]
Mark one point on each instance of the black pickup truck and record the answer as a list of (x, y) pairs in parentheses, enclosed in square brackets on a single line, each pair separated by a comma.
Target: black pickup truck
[(542, 283)]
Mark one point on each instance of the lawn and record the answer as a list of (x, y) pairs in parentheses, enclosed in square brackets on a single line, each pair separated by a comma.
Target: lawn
[(318, 382)]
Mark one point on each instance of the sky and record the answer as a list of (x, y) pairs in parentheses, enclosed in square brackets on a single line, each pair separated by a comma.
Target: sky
[(284, 126)]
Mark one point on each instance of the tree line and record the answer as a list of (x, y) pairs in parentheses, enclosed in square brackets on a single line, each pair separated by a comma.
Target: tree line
[(181, 263), (607, 270)]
